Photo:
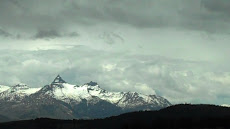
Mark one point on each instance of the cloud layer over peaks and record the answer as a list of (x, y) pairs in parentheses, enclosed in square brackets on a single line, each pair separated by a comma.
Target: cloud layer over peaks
[(175, 48)]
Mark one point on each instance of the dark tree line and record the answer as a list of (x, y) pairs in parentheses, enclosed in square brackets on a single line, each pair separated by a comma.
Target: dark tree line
[(174, 117)]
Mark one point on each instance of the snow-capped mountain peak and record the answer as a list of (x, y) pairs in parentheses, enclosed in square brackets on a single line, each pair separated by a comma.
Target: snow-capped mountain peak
[(61, 90), (58, 80), (17, 92), (91, 83)]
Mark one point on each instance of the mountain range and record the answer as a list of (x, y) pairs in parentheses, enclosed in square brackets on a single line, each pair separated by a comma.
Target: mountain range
[(66, 101)]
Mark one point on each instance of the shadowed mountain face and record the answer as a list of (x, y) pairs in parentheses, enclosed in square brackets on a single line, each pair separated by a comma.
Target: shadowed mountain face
[(62, 100), (173, 117)]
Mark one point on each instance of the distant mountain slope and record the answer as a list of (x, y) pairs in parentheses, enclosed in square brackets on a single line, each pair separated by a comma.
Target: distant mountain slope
[(63, 100), (174, 117)]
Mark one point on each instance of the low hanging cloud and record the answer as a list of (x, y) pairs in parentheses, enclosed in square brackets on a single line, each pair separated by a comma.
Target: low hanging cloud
[(72, 34), (46, 34), (51, 34), (177, 80)]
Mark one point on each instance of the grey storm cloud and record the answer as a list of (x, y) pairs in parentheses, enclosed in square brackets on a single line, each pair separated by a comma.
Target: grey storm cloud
[(47, 34), (221, 6), (28, 15), (50, 34), (73, 34)]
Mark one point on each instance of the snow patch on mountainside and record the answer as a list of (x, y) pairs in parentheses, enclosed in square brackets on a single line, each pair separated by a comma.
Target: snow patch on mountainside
[(225, 105), (3, 88), (70, 92), (112, 97)]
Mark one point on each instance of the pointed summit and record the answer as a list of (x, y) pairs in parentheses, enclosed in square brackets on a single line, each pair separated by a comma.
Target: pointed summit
[(58, 80), (91, 83)]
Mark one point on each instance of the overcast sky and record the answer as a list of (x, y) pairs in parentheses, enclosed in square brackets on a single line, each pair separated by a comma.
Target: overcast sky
[(178, 49)]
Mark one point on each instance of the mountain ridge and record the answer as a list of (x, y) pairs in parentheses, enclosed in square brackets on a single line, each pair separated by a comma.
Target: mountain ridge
[(72, 101)]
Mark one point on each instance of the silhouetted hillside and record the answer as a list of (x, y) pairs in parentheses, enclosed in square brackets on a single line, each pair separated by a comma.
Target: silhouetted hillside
[(4, 118), (174, 117)]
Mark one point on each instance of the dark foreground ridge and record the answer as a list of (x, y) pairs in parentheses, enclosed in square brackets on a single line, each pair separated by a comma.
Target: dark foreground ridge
[(182, 116)]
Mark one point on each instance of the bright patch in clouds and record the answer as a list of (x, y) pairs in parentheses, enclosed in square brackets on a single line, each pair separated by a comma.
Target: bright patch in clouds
[(109, 67)]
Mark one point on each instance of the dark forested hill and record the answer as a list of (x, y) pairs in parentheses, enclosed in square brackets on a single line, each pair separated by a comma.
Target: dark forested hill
[(174, 117)]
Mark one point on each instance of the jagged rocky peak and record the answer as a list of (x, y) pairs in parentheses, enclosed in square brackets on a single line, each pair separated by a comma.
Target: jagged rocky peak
[(58, 80), (91, 83), (20, 86)]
